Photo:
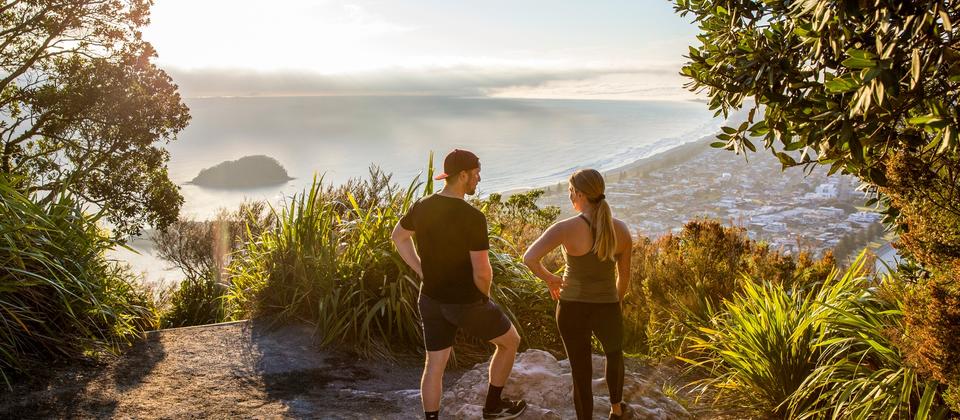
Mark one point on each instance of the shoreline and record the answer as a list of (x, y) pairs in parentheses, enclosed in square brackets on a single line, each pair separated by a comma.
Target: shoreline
[(667, 157)]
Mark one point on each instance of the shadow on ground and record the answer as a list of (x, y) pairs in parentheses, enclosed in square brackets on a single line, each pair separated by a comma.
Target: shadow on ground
[(81, 388), (243, 369)]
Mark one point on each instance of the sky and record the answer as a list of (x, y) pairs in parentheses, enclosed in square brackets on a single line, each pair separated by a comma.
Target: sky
[(520, 48)]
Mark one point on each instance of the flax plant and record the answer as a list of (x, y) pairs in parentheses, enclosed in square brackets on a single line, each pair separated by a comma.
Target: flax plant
[(824, 351), (336, 270), (862, 372), (60, 297)]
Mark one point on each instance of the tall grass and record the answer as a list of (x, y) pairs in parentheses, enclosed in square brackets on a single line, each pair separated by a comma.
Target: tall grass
[(196, 301), (334, 269), (59, 295), (826, 350), (862, 371)]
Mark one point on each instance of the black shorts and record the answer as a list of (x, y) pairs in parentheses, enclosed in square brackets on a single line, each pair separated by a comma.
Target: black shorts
[(482, 319)]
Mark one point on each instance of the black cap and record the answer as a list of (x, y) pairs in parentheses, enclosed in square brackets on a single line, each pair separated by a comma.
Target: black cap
[(456, 161)]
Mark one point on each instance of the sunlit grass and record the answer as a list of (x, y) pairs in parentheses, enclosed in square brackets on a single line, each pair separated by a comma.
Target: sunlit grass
[(59, 295)]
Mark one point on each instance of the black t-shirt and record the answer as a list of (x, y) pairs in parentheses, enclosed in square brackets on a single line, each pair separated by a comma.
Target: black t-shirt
[(446, 229)]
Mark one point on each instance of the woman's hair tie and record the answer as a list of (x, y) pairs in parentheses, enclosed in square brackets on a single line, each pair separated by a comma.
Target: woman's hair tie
[(598, 199)]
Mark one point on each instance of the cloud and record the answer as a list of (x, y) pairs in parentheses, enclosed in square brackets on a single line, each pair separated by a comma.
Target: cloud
[(627, 82)]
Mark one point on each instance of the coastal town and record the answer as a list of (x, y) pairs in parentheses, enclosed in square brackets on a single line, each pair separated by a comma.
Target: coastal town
[(789, 210)]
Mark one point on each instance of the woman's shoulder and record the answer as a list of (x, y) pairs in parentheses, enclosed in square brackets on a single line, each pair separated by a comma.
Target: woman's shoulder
[(570, 222), (621, 226), (564, 225)]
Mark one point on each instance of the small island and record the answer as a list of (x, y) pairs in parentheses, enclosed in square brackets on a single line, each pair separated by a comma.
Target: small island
[(246, 172)]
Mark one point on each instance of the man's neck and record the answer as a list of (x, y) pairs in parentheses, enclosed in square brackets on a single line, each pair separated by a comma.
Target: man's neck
[(453, 191)]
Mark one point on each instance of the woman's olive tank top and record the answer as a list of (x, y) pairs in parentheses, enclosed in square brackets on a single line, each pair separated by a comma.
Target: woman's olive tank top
[(588, 279)]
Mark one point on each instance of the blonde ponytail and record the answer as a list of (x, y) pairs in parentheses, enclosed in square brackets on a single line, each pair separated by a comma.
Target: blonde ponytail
[(590, 183), (605, 237)]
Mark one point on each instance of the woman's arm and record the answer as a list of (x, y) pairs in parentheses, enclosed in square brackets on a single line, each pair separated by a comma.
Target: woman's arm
[(625, 241), (547, 242)]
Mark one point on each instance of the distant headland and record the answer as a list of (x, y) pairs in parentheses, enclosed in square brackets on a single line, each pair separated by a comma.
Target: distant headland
[(246, 172)]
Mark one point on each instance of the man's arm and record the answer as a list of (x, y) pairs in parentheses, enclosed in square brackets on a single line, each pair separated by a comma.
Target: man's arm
[(403, 239), (482, 271)]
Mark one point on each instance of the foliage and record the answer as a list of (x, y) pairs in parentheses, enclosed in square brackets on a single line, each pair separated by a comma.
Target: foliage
[(813, 352), (59, 295), (849, 84), (934, 326), (759, 349), (335, 270), (196, 301), (678, 282), (524, 298), (867, 88), (862, 371), (82, 107), (202, 250), (517, 220)]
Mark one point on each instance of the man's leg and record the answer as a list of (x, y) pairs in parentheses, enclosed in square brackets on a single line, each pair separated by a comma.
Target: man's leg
[(503, 356), (486, 321), (431, 384), (438, 336)]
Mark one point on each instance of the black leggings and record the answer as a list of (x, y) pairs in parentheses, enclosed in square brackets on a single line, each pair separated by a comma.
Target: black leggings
[(578, 322)]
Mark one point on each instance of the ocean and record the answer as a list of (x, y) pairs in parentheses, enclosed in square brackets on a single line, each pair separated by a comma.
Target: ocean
[(521, 142)]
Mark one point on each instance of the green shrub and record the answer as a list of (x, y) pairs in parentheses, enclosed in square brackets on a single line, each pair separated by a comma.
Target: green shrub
[(60, 297), (827, 350), (196, 301), (335, 269), (862, 371), (761, 347), (524, 298)]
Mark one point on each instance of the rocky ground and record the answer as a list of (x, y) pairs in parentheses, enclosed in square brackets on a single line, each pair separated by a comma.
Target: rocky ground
[(248, 370)]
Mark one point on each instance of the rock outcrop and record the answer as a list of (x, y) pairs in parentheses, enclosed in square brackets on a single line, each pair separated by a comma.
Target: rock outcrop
[(545, 383)]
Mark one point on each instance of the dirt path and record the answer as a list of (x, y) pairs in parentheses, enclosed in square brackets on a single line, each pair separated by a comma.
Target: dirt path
[(236, 370), (245, 370)]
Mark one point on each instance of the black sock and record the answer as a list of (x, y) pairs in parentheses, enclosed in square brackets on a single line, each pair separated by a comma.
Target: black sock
[(493, 397), (431, 415)]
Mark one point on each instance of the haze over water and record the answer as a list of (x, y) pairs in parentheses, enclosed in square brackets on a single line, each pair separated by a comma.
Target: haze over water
[(521, 142)]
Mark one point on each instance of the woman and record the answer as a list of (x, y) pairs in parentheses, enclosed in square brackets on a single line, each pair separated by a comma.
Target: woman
[(596, 248)]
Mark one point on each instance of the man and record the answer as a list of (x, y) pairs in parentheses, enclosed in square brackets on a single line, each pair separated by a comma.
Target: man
[(451, 258)]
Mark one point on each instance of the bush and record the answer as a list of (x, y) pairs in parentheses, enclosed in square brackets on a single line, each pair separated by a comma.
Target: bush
[(196, 301), (60, 296), (863, 371), (933, 322), (814, 352), (678, 282), (335, 269), (203, 249)]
